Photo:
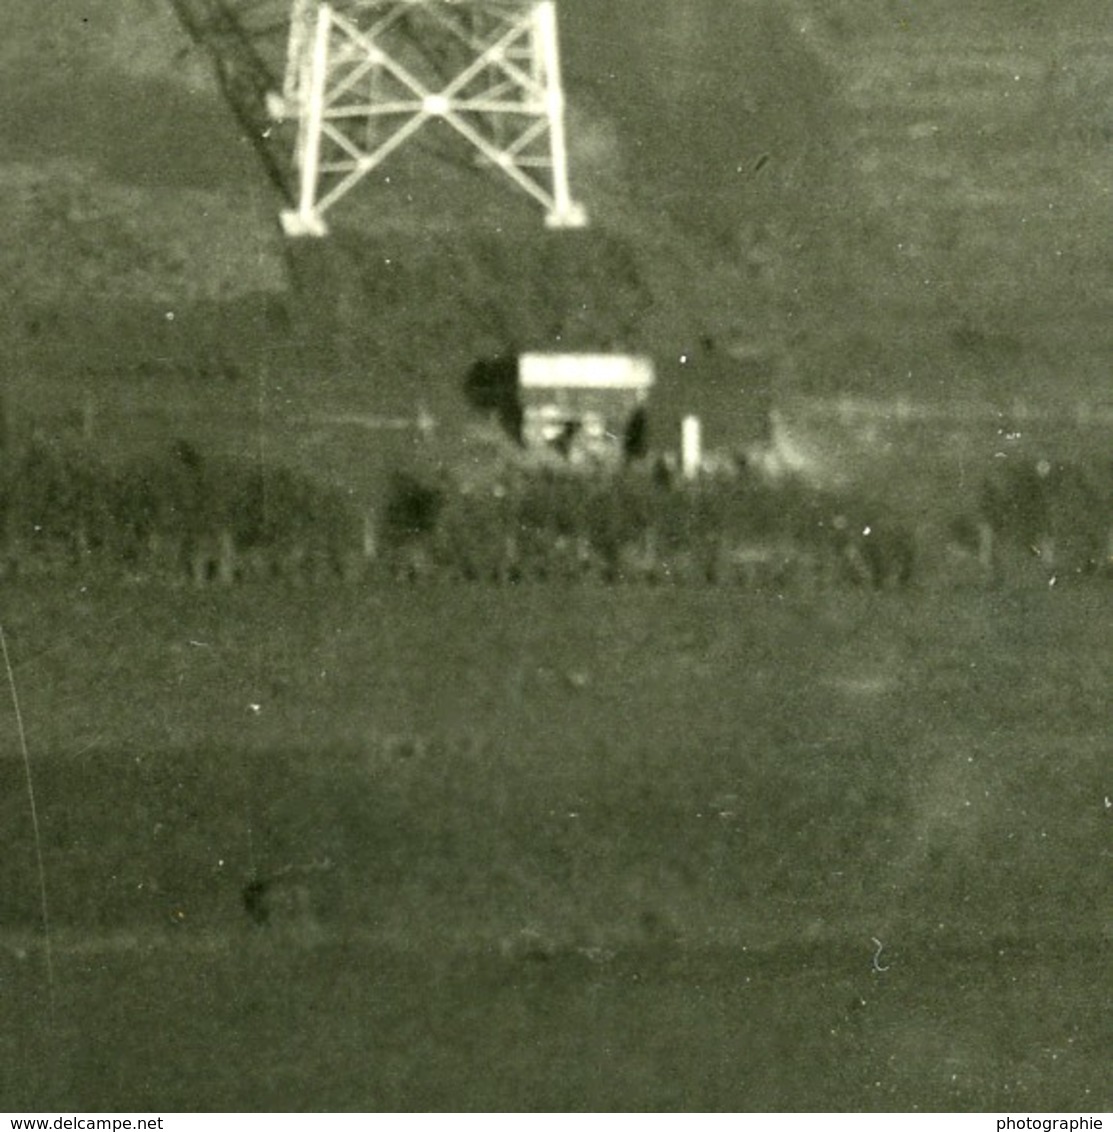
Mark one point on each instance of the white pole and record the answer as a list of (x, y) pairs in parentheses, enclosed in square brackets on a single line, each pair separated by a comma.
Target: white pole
[(691, 447)]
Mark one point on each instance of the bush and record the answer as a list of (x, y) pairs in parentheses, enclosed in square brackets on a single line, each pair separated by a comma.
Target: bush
[(412, 509)]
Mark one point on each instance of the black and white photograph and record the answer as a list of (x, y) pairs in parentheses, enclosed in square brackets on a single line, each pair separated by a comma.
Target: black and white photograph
[(556, 556)]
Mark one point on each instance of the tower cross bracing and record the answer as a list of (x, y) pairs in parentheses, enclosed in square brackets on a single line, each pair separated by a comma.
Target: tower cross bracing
[(362, 77)]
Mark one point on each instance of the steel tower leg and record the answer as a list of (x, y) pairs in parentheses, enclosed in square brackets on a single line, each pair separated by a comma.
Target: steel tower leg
[(311, 84), (564, 212)]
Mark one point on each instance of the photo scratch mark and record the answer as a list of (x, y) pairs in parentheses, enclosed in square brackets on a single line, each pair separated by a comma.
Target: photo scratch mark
[(877, 966), (44, 906)]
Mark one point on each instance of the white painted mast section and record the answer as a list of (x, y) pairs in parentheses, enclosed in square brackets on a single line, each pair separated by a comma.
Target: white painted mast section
[(301, 23), (306, 221), (353, 79), (564, 212)]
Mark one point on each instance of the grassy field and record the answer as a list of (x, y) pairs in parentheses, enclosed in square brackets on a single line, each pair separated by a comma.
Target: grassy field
[(374, 846), (557, 848)]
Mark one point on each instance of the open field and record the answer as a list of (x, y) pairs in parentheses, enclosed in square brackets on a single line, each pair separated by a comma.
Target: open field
[(369, 846), (546, 847)]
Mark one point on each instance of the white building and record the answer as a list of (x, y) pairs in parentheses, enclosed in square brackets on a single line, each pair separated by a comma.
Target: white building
[(584, 406)]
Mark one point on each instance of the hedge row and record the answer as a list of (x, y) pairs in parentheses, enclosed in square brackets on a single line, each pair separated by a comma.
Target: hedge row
[(552, 525), (183, 515), (1038, 522), (177, 513)]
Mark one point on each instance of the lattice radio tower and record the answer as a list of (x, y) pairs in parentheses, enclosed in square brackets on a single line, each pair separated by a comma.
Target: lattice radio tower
[(363, 76)]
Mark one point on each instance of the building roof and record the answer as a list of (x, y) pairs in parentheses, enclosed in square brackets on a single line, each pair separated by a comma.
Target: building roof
[(600, 372)]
